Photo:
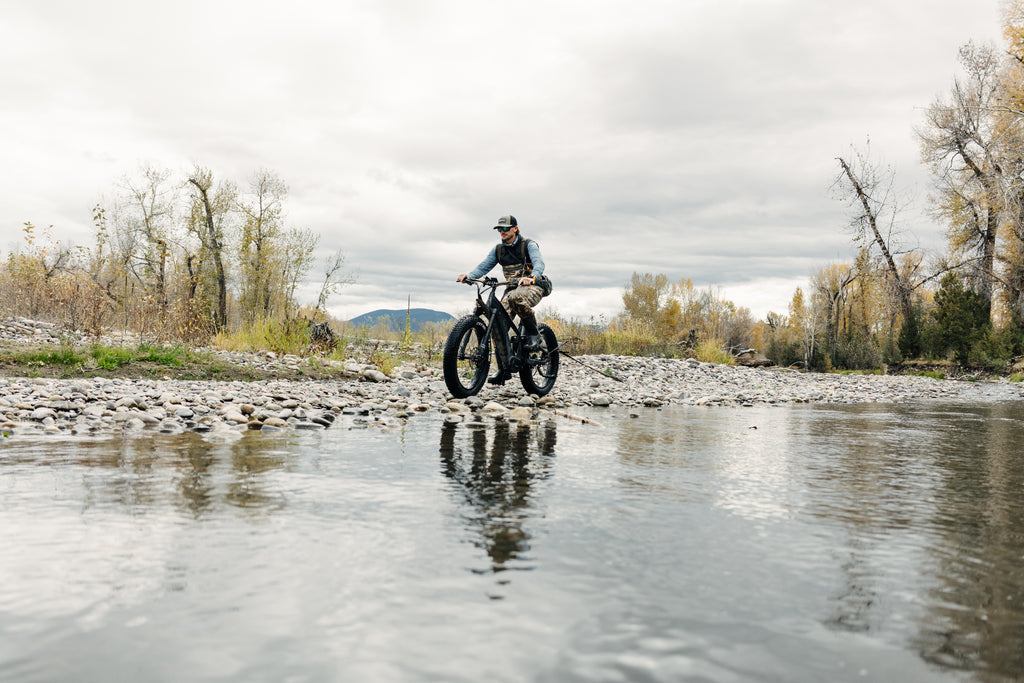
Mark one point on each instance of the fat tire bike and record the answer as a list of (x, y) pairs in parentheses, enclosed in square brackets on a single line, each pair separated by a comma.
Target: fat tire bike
[(467, 352)]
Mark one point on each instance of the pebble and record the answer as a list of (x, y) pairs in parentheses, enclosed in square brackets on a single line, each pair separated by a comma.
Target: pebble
[(367, 397)]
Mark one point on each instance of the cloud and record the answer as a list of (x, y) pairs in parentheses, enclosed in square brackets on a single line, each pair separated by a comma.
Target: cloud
[(691, 138)]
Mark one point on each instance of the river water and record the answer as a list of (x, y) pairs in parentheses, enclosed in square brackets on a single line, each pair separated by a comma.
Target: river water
[(781, 544)]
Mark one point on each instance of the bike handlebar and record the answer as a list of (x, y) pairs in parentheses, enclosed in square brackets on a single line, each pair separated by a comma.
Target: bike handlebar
[(487, 282)]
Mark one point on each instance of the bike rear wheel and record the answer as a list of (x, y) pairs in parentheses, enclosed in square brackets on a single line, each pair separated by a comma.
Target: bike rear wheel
[(467, 357), (541, 369)]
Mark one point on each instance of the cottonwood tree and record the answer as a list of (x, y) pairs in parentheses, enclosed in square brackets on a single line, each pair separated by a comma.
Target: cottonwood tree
[(832, 284), (272, 258), (805, 323), (143, 220), (211, 209), (964, 144), (644, 297), (675, 311), (261, 245), (1009, 114), (300, 244)]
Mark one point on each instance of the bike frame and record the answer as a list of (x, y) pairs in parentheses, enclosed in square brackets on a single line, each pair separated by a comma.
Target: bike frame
[(498, 318)]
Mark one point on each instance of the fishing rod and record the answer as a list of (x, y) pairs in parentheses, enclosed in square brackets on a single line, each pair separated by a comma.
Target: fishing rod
[(603, 373)]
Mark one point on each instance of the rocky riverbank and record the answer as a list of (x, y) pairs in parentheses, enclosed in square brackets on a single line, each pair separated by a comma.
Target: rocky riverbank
[(368, 398)]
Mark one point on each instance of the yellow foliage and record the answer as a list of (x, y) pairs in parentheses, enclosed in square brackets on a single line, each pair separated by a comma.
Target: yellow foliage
[(670, 311)]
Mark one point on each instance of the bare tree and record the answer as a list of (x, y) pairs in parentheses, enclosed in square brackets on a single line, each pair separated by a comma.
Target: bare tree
[(300, 243), (208, 220), (963, 145), (870, 190), (334, 278), (147, 216)]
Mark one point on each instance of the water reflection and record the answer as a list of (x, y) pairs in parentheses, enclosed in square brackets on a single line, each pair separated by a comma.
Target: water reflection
[(936, 494), (254, 466), (143, 473), (196, 484), (495, 469), (676, 545)]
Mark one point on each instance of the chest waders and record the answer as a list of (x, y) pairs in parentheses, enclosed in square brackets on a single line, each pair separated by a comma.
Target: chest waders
[(517, 300)]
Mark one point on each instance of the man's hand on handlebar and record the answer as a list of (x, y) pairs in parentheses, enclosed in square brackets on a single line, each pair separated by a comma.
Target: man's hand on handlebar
[(490, 281)]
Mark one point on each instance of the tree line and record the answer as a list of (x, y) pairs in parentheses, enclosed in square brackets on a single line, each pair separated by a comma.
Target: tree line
[(894, 301), (175, 257)]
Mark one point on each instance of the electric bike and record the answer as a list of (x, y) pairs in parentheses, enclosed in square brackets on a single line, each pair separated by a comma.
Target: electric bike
[(467, 353)]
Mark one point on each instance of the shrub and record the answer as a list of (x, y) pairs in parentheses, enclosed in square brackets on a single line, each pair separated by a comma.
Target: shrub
[(267, 334), (783, 353), (858, 352), (711, 351)]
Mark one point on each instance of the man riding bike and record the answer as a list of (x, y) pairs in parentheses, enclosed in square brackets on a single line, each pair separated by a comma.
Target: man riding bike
[(522, 264)]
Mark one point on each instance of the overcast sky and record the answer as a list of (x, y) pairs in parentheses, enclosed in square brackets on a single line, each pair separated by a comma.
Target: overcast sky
[(694, 138)]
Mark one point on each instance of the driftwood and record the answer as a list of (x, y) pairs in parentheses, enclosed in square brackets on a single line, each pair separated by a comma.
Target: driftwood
[(752, 359), (577, 418), (322, 338)]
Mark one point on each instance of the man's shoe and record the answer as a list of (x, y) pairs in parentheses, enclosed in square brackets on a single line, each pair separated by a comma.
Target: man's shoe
[(499, 378)]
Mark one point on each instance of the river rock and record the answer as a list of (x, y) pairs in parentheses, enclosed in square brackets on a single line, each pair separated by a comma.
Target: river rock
[(494, 408), (521, 414), (375, 375), (40, 414)]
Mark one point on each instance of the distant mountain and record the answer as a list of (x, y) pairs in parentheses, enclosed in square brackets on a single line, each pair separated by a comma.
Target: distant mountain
[(396, 318)]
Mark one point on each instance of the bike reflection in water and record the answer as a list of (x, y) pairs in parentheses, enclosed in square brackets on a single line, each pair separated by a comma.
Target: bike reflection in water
[(496, 468)]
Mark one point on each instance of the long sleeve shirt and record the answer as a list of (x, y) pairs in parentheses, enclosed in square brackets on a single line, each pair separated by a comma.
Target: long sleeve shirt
[(492, 259)]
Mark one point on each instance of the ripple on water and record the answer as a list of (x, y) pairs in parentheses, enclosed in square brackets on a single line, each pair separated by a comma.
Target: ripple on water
[(810, 543)]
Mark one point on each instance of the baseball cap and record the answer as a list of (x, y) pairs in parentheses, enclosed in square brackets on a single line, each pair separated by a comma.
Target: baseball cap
[(507, 222)]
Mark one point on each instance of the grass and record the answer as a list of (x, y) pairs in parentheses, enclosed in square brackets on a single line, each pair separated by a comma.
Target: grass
[(114, 357), (712, 352), (288, 337), (63, 356), (111, 357), (68, 359), (144, 360), (934, 374)]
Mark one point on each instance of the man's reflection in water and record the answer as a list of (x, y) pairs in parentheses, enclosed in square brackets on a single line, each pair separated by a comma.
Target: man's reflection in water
[(496, 481)]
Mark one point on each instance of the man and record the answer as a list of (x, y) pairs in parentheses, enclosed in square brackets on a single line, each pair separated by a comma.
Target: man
[(521, 263)]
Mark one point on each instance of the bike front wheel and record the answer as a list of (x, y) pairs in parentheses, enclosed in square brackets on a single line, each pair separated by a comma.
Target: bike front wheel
[(541, 369), (467, 357)]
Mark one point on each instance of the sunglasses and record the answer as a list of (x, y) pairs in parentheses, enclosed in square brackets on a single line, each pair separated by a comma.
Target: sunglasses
[(504, 228)]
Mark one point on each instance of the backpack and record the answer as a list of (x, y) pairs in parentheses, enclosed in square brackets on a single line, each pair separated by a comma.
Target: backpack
[(543, 281)]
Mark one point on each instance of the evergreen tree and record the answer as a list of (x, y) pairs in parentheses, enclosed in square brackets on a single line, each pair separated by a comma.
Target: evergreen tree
[(961, 318)]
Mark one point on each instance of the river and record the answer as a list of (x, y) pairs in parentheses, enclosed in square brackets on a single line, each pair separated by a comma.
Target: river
[(801, 543)]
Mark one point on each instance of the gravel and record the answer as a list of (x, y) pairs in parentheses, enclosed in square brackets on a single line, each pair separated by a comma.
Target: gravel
[(370, 399)]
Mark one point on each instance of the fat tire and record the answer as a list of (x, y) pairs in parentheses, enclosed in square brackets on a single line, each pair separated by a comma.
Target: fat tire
[(464, 376), (540, 379)]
